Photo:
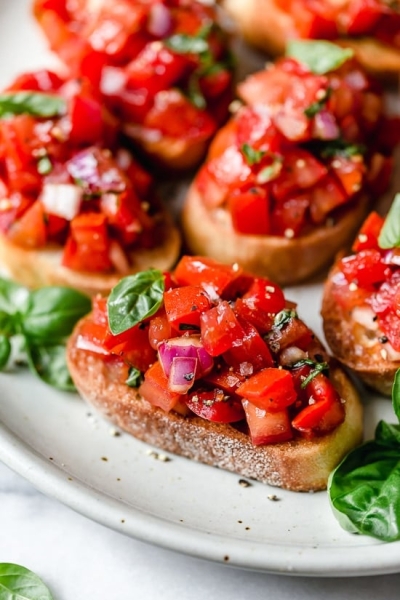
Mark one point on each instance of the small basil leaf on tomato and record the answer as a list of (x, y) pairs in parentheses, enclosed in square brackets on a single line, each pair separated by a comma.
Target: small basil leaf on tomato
[(318, 55), (318, 368), (284, 316), (135, 298), (36, 104), (340, 147), (20, 583), (52, 312), (194, 92), (48, 361), (317, 106), (5, 350), (182, 43), (252, 155), (389, 236), (270, 172), (44, 165), (134, 377)]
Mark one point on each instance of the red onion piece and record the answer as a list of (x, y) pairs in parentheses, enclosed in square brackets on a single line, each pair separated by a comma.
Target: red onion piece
[(160, 21), (182, 374), (184, 347), (325, 126)]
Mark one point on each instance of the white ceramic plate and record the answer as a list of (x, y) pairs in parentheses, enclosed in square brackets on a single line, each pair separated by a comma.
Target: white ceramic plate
[(55, 441)]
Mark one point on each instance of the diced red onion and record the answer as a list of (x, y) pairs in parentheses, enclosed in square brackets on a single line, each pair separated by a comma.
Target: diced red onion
[(325, 126), (113, 81), (160, 20), (61, 199), (182, 374), (356, 80), (185, 347), (96, 172), (392, 257)]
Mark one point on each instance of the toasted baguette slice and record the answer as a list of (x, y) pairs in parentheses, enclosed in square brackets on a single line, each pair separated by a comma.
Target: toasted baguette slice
[(300, 465), (354, 345), (286, 261), (38, 267), (264, 25)]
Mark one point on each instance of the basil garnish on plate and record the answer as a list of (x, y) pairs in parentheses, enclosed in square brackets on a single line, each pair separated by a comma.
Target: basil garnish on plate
[(40, 321), (389, 236), (135, 298), (36, 104), (364, 488), (319, 56), (19, 583)]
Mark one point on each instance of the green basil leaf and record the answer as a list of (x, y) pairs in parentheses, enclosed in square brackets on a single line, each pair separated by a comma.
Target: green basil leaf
[(135, 298), (364, 491), (389, 236), (284, 316), (36, 104), (340, 147), (5, 350), (134, 377), (13, 297), (44, 165), (194, 92), (52, 312), (252, 155), (396, 394), (18, 583), (182, 43), (318, 368), (317, 106), (318, 55), (270, 172), (49, 363), (388, 434)]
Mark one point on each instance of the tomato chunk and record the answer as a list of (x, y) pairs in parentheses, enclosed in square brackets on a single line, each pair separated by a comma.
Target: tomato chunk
[(155, 390), (214, 406), (365, 268), (220, 329), (267, 427), (223, 280), (270, 389), (184, 305), (367, 238), (88, 246)]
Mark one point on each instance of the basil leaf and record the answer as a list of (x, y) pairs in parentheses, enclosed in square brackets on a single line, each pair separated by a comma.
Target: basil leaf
[(340, 147), (134, 377), (44, 165), (36, 104), (396, 394), (364, 491), (48, 361), (18, 583), (318, 368), (252, 155), (182, 43), (5, 350), (389, 236), (135, 298), (270, 172), (13, 297), (317, 106), (283, 317), (318, 55), (52, 312), (194, 92)]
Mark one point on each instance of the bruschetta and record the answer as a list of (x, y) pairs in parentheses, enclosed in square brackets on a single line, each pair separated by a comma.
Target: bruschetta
[(75, 208), (163, 68), (289, 179), (369, 27), (361, 303), (214, 364)]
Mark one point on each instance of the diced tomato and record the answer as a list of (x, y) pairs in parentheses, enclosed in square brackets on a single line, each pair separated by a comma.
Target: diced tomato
[(40, 81), (184, 305), (325, 197), (220, 329), (86, 119), (88, 245), (360, 16), (383, 300), (12, 206), (133, 346), (300, 171), (365, 268), (159, 329), (99, 310), (30, 230), (251, 354), (314, 20), (290, 216), (214, 277), (260, 302), (250, 211), (348, 296), (214, 406), (367, 238), (271, 389), (224, 379), (293, 333), (267, 427), (155, 390), (350, 173)]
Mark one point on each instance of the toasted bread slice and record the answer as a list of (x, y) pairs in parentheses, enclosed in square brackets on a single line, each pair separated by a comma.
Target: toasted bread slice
[(299, 465), (286, 261), (38, 267), (264, 25), (354, 345)]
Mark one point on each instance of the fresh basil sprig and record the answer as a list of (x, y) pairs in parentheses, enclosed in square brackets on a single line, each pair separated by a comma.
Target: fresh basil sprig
[(364, 488), (283, 317), (319, 56), (135, 377), (19, 583), (36, 104), (317, 368), (252, 155), (135, 298), (389, 236), (42, 320)]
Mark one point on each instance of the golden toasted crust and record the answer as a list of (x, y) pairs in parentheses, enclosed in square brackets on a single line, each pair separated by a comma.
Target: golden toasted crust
[(350, 343), (300, 465), (38, 267), (286, 261), (266, 26)]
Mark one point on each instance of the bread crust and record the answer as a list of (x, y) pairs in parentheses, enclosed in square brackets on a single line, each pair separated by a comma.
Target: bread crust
[(299, 465), (286, 261), (363, 359), (37, 267), (264, 25)]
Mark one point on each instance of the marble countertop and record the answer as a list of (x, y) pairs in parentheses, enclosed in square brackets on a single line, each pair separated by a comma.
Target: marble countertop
[(79, 559)]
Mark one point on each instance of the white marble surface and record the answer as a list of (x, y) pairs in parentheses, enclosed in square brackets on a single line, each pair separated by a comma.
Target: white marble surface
[(79, 559)]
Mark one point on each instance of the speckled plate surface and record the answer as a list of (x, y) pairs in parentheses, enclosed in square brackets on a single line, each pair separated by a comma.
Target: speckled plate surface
[(57, 443)]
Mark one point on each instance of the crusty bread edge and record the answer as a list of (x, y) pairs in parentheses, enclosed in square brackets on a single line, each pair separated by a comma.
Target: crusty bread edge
[(300, 465), (37, 267), (376, 372), (264, 25), (285, 261)]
